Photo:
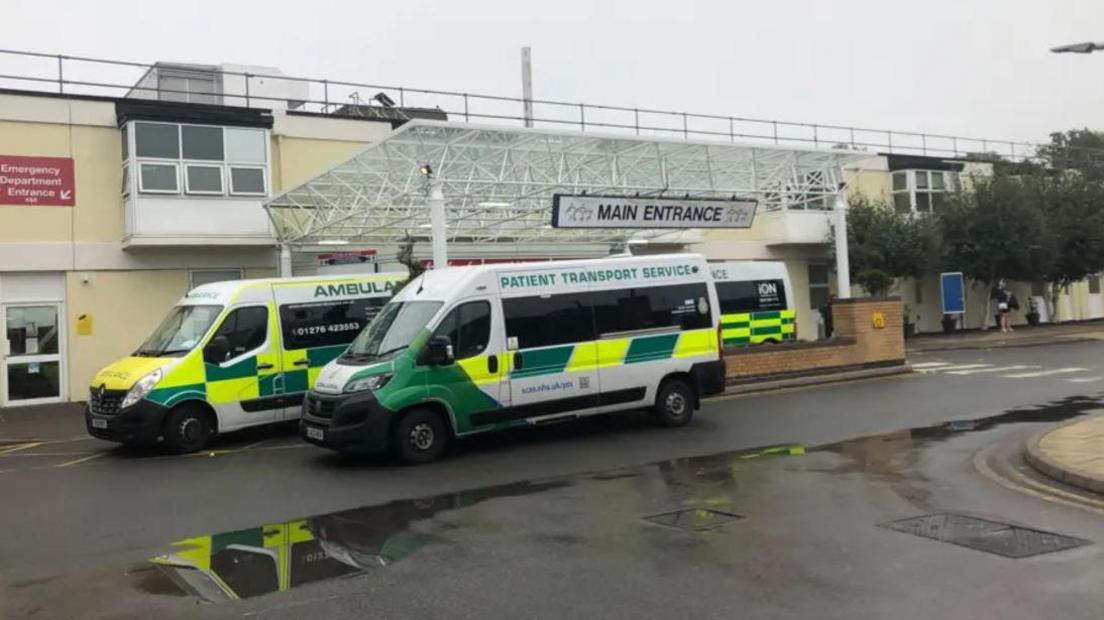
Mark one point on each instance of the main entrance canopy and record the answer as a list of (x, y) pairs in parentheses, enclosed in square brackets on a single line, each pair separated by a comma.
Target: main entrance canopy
[(497, 183)]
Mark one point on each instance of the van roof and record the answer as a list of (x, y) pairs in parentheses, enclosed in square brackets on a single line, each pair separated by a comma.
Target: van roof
[(220, 291), (452, 282)]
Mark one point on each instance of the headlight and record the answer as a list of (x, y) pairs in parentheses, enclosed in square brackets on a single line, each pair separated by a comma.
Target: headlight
[(374, 382), (141, 388)]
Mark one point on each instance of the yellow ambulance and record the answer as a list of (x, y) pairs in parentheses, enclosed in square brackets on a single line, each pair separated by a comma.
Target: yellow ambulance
[(232, 355)]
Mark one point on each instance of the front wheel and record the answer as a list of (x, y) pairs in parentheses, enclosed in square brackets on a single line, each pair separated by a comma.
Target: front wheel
[(187, 429), (420, 437), (674, 404)]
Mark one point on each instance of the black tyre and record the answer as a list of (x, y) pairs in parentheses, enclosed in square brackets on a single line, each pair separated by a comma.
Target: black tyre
[(187, 429), (674, 404), (420, 437)]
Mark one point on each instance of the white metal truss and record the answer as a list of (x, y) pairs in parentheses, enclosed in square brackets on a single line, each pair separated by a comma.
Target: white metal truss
[(498, 183)]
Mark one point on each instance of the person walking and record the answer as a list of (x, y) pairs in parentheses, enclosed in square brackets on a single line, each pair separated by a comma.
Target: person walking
[(1003, 297)]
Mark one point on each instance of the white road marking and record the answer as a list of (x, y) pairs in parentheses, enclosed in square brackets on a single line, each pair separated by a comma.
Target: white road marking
[(1044, 373), (994, 369), (930, 364), (956, 367), (1084, 379)]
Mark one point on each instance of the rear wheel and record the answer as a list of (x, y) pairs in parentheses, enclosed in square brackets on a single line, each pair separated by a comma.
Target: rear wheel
[(187, 429), (674, 404), (420, 437)]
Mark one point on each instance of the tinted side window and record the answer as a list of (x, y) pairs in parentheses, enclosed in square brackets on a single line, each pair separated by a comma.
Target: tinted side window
[(547, 320), (468, 327), (245, 329), (326, 323), (737, 297), (684, 305), (751, 296)]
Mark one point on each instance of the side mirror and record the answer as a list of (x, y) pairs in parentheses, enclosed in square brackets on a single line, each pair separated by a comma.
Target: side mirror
[(438, 351), (216, 350)]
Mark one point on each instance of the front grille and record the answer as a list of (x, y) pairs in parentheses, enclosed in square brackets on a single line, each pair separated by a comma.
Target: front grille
[(320, 407), (106, 402)]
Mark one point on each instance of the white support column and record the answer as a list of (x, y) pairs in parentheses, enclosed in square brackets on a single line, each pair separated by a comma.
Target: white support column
[(437, 222), (285, 260), (843, 262)]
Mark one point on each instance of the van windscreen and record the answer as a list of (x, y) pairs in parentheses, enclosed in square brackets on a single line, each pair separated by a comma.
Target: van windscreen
[(392, 330), (180, 332)]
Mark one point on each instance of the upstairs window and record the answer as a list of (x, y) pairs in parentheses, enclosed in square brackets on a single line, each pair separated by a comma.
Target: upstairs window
[(922, 191), (198, 159)]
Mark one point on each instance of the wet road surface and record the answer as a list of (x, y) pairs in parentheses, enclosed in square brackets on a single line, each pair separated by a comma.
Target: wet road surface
[(787, 497)]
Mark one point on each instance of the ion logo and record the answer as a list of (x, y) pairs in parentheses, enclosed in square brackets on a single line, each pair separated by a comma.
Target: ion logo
[(768, 289)]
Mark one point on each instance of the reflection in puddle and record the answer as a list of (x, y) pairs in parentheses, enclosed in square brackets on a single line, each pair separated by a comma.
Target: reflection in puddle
[(279, 556)]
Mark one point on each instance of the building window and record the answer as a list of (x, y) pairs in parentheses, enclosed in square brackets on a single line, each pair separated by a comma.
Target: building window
[(158, 179), (919, 291), (1094, 285), (202, 142), (247, 181), (159, 140), (203, 179), (922, 191), (210, 157), (818, 286), (200, 277)]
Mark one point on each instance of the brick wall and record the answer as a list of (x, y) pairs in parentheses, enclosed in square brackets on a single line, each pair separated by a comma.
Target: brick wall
[(856, 343)]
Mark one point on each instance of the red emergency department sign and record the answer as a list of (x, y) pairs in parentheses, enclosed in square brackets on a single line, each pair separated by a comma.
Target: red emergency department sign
[(41, 181)]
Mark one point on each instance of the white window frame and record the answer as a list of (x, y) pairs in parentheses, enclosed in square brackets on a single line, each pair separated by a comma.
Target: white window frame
[(199, 192), (158, 162), (264, 179), (181, 165), (912, 189)]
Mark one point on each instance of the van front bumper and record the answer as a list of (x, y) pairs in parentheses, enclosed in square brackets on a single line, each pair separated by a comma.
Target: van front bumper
[(354, 423), (140, 423)]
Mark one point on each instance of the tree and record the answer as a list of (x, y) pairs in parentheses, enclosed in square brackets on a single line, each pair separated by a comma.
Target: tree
[(996, 229), (883, 245), (1074, 210), (405, 257), (1076, 149)]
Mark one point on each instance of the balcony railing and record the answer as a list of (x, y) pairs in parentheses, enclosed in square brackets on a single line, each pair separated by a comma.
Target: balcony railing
[(112, 78)]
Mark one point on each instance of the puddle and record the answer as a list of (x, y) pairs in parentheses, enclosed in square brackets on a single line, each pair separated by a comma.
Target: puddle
[(279, 556)]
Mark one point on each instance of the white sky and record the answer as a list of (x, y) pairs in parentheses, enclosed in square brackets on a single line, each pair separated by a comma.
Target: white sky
[(967, 67)]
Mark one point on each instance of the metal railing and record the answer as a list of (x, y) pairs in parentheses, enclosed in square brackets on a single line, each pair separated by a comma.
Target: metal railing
[(80, 75)]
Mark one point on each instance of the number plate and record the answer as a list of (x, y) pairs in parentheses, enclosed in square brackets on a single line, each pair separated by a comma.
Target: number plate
[(314, 433), (98, 423)]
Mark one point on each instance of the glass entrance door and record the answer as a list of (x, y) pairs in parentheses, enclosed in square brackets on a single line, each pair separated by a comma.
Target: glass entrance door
[(31, 369)]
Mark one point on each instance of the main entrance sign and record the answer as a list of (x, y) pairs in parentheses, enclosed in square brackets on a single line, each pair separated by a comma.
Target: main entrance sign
[(570, 211), (42, 181)]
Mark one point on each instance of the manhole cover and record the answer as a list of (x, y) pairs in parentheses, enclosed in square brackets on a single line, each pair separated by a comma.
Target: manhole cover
[(1010, 541), (694, 519)]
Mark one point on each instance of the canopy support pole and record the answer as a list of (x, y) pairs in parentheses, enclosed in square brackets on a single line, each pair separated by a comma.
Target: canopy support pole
[(285, 260), (437, 222), (843, 262)]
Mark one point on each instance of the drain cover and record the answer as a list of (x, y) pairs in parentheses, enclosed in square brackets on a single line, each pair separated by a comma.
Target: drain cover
[(1005, 539), (694, 519)]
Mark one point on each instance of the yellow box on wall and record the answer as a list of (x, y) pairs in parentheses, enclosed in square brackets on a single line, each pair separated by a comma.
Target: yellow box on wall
[(84, 325)]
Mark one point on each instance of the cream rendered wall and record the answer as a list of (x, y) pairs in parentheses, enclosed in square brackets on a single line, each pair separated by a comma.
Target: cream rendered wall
[(125, 307), (96, 152), (297, 160)]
